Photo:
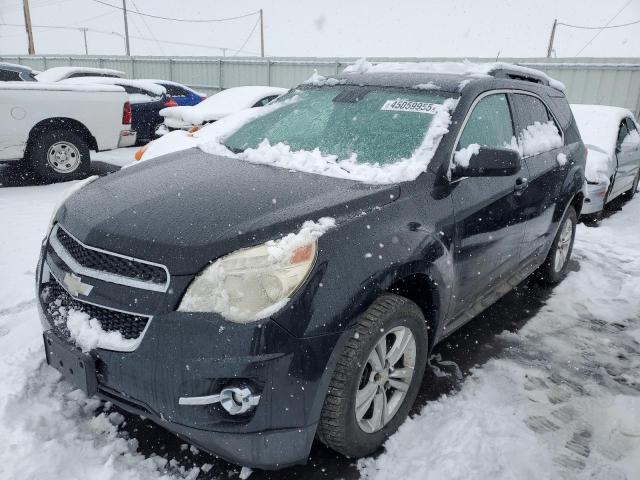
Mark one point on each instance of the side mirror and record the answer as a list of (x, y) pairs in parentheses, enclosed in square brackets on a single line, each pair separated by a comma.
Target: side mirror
[(491, 162)]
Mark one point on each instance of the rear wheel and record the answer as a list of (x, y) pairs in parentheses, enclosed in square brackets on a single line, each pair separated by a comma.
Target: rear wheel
[(59, 155), (377, 377), (556, 265)]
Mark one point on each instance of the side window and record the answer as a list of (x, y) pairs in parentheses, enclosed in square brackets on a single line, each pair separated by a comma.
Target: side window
[(489, 124), (622, 134), (174, 91), (9, 76), (538, 132), (264, 101)]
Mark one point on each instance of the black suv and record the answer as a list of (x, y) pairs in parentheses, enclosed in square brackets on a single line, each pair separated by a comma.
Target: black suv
[(250, 342)]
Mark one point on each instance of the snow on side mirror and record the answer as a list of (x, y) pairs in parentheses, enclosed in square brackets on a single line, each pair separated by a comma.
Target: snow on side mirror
[(491, 162)]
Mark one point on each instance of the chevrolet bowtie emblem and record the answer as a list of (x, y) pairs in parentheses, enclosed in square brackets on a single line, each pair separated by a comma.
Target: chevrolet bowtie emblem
[(75, 286)]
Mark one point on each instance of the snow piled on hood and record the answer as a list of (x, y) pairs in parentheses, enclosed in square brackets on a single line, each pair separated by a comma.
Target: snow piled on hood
[(406, 169)]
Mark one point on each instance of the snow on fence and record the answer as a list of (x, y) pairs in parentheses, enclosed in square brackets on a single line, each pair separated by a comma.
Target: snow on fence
[(608, 81)]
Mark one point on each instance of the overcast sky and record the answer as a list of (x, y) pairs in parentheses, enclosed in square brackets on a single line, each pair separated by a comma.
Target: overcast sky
[(421, 28)]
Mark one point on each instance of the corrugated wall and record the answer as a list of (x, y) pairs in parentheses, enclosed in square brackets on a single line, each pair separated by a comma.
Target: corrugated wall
[(609, 81)]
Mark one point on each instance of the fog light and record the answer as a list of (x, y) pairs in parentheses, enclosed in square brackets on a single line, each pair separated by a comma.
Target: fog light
[(238, 400), (234, 400)]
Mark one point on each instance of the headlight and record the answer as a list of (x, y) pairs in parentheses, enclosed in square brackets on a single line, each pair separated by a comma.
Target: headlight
[(67, 193), (253, 283)]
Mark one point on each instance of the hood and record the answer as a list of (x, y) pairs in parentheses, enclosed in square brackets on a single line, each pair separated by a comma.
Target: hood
[(188, 208)]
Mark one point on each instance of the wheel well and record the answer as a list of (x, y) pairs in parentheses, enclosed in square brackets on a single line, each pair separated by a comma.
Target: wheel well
[(61, 123), (576, 202), (422, 290)]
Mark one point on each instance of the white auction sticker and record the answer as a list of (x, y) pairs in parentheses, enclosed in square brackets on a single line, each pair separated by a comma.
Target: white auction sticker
[(400, 105)]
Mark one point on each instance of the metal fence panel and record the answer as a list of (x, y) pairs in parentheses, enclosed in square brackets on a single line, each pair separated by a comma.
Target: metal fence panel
[(610, 81)]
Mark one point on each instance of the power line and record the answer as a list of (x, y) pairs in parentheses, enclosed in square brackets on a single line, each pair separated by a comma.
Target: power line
[(148, 29), (602, 29), (599, 28), (180, 19), (247, 40)]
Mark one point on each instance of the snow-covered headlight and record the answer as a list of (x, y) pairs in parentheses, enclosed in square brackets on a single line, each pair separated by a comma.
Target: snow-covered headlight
[(254, 283)]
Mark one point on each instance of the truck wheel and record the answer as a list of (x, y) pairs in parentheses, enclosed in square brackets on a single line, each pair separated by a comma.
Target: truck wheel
[(377, 377), (555, 267), (60, 155)]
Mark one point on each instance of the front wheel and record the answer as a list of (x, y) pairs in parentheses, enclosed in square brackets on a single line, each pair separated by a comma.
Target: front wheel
[(377, 377), (556, 265), (60, 155)]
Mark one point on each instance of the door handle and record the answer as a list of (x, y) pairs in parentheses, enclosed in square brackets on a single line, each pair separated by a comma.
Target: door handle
[(521, 184)]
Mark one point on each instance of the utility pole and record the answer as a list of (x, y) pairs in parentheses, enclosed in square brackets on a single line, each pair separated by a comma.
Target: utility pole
[(261, 33), (552, 37), (86, 48), (126, 28), (27, 24)]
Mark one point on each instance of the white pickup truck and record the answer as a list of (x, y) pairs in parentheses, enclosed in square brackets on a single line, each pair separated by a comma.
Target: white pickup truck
[(52, 127)]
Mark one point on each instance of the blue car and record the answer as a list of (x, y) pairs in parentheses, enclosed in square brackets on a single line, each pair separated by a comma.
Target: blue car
[(181, 94)]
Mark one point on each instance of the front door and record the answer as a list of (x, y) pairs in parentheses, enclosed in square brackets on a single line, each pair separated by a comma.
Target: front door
[(487, 210), (627, 155)]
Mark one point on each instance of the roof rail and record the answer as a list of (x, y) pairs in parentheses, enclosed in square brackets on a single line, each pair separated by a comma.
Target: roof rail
[(516, 72)]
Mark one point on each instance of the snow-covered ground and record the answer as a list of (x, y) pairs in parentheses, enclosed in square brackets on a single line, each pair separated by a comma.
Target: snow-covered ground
[(561, 400)]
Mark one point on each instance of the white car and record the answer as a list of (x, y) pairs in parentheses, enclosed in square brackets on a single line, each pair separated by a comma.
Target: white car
[(57, 74), (613, 153), (54, 126), (218, 106)]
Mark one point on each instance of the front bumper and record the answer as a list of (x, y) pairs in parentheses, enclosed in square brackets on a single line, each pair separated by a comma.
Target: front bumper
[(594, 198), (198, 354), (127, 138)]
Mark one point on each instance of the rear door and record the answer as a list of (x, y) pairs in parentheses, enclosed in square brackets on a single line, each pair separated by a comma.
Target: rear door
[(488, 212), (547, 160), (627, 154)]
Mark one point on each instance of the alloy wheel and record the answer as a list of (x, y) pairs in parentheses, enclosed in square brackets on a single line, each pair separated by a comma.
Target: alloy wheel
[(563, 246), (385, 379)]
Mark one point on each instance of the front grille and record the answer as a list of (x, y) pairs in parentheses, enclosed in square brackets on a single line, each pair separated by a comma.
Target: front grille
[(57, 304), (110, 263)]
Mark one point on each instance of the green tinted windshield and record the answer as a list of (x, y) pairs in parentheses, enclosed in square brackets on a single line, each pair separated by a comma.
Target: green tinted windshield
[(378, 125)]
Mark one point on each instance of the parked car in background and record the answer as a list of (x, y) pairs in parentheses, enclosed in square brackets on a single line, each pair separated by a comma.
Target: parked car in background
[(57, 74), (181, 94), (52, 127), (218, 106), (291, 277), (613, 159), (147, 100), (10, 72)]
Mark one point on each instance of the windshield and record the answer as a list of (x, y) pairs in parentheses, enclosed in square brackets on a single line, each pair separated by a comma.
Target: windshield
[(377, 125)]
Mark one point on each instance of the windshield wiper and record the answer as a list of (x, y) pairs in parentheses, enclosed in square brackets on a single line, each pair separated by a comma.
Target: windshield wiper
[(235, 149)]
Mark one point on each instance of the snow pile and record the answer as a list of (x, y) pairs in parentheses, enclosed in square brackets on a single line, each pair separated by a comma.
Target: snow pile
[(59, 87), (539, 138), (563, 398), (281, 155), (87, 333), (561, 159), (209, 291), (56, 74), (320, 80), (427, 86), (463, 156), (220, 105), (150, 87), (452, 68)]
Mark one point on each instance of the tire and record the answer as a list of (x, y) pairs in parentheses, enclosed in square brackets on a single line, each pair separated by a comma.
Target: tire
[(59, 155), (632, 191), (552, 271), (390, 317)]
